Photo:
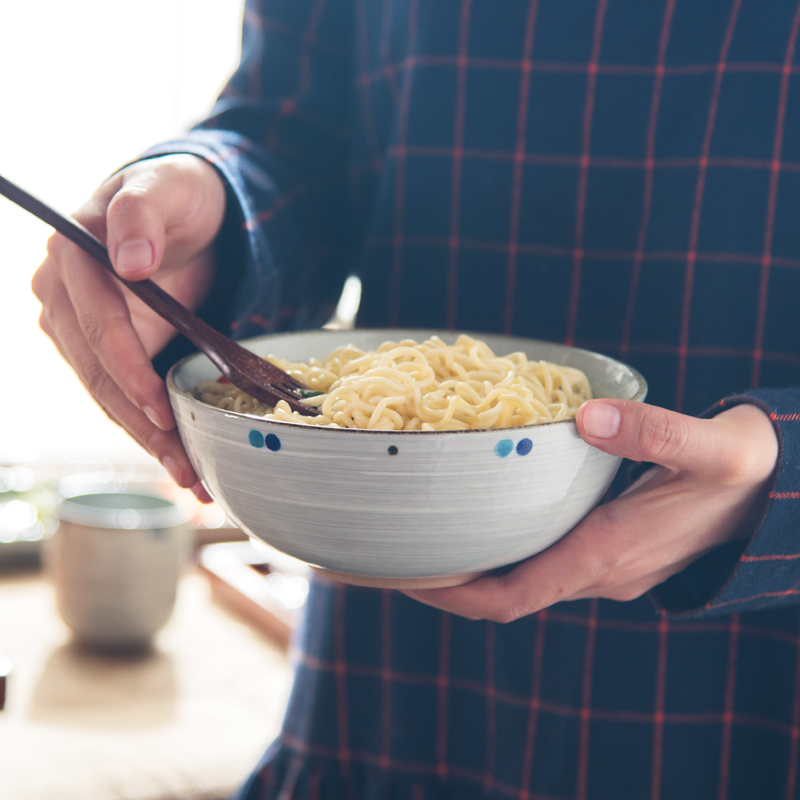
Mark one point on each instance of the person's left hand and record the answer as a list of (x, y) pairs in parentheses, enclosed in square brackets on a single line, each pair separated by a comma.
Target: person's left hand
[(710, 487)]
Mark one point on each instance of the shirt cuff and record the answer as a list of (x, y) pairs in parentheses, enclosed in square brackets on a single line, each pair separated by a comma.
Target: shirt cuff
[(764, 570), (246, 288)]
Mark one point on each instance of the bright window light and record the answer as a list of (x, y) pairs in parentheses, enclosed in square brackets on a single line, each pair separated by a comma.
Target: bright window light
[(86, 85)]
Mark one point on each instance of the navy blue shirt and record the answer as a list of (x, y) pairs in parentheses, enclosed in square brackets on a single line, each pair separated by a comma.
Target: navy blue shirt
[(615, 174)]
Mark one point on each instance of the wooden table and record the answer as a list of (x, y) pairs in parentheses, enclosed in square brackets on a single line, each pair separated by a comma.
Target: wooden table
[(187, 720)]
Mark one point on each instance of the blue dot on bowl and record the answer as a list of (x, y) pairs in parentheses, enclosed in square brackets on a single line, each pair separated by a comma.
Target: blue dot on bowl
[(256, 439), (273, 442), (503, 447), (524, 446)]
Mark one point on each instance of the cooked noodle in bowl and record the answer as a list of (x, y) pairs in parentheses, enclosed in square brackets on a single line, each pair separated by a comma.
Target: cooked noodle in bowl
[(428, 462), (430, 386)]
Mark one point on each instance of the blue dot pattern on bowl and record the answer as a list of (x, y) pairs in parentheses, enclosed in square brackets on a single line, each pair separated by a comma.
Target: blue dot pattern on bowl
[(504, 447), (524, 446), (257, 439), (273, 442)]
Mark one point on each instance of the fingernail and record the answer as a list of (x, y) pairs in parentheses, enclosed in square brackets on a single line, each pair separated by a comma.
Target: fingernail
[(153, 416), (134, 256), (175, 472), (601, 420)]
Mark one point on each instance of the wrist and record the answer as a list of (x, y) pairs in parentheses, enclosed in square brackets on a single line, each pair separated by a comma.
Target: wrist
[(754, 453), (752, 468)]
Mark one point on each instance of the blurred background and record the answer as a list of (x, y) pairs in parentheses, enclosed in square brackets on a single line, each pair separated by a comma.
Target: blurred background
[(85, 86)]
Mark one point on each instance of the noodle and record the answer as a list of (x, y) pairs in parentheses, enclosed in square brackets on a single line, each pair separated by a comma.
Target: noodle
[(429, 387)]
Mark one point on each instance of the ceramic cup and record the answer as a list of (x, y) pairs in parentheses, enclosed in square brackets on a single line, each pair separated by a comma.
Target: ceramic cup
[(115, 561)]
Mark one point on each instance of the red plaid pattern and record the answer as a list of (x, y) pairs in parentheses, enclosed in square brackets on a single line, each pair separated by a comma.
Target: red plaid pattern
[(620, 175)]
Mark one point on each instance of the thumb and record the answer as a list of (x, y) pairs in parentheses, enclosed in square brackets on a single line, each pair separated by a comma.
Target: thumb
[(648, 433), (161, 204), (136, 230)]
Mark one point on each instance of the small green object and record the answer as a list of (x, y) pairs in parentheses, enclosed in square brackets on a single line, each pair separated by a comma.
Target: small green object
[(307, 393)]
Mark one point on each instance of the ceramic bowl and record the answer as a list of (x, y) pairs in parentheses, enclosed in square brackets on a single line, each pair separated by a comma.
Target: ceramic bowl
[(384, 508)]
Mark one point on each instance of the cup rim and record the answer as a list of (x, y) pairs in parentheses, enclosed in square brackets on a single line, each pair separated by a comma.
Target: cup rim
[(148, 511)]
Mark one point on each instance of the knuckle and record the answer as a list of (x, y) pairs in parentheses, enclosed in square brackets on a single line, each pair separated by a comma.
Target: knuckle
[(39, 283), (55, 245), (603, 571), (97, 381), (513, 606), (94, 330), (44, 324), (136, 425), (141, 432), (516, 607), (605, 519), (602, 557), (108, 412), (154, 440), (126, 203), (507, 615), (663, 434)]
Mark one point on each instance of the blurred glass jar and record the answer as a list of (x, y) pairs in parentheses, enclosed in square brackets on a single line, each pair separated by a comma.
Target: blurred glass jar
[(115, 561)]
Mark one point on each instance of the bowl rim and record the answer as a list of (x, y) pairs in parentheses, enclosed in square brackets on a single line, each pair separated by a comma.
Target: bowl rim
[(172, 388)]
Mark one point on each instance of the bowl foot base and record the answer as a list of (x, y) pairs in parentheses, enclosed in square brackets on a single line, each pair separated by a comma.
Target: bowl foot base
[(430, 582)]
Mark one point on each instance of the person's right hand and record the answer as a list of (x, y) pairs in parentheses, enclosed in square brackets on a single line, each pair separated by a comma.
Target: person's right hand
[(159, 218)]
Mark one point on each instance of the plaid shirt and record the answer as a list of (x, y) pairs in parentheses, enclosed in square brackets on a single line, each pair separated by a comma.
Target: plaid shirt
[(617, 174)]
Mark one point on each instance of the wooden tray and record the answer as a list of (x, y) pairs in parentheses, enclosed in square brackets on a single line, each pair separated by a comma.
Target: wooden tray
[(257, 583)]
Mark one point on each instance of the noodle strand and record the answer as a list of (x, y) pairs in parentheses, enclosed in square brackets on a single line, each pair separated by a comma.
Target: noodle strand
[(428, 386)]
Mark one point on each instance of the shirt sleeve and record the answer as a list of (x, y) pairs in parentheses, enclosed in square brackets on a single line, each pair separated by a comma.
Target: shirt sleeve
[(764, 570), (279, 137)]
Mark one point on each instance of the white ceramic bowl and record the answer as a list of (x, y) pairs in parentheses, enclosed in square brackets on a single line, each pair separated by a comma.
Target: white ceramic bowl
[(399, 508)]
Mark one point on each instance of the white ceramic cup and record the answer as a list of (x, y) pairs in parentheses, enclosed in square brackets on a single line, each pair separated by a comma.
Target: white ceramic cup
[(115, 561)]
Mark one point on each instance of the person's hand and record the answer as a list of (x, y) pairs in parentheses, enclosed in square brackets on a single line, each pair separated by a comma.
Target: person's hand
[(159, 218), (710, 487)]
